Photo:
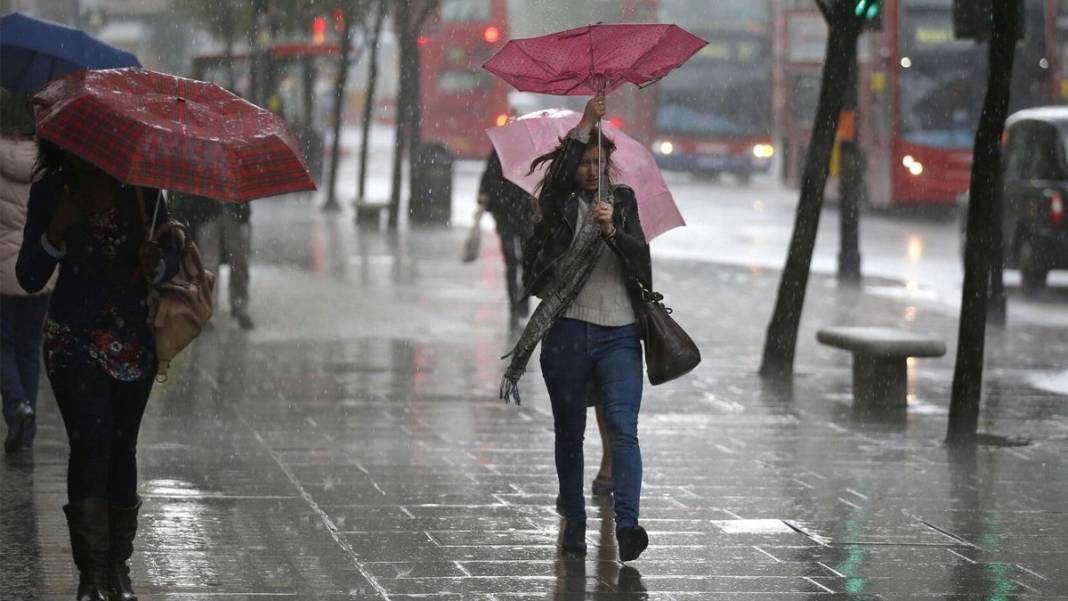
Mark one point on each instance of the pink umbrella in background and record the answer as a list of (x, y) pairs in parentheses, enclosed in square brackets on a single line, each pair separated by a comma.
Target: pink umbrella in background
[(519, 142), (593, 59)]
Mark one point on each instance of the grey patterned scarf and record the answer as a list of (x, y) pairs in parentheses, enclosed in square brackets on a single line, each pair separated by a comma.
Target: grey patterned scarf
[(571, 274)]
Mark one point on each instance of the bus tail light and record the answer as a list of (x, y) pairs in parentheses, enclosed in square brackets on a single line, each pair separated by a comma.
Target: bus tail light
[(491, 35), (616, 122), (1056, 209), (502, 119)]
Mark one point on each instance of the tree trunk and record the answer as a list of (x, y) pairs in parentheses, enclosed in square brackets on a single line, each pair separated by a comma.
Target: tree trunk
[(986, 166), (781, 341), (368, 108), (407, 46), (339, 104), (229, 31)]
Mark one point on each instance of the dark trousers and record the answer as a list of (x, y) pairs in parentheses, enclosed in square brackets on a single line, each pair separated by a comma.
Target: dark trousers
[(21, 320), (572, 354), (512, 249), (102, 416)]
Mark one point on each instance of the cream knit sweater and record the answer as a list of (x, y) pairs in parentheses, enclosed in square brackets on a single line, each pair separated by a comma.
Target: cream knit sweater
[(603, 300)]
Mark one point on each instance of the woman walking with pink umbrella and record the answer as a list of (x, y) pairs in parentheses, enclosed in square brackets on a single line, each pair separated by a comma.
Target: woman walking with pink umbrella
[(588, 260), (582, 259)]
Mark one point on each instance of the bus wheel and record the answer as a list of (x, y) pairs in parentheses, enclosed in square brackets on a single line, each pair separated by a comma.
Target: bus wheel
[(1032, 271)]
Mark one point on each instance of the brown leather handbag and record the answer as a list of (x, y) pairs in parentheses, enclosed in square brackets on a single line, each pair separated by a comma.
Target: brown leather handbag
[(669, 350), (179, 308)]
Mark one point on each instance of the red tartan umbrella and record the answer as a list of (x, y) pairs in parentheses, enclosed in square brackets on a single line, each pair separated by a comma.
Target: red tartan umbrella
[(153, 129), (593, 59)]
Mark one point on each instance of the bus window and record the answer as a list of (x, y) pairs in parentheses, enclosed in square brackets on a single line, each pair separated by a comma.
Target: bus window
[(466, 11), (943, 80), (456, 81), (726, 15)]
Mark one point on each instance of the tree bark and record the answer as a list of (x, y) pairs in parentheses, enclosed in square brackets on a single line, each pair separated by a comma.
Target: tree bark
[(408, 45), (368, 107), (339, 104), (986, 167), (781, 341), (409, 18)]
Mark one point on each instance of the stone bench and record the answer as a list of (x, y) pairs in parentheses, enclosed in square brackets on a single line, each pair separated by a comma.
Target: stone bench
[(367, 212), (879, 361)]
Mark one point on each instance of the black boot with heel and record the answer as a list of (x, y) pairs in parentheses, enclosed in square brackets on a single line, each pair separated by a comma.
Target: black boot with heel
[(123, 531), (87, 521)]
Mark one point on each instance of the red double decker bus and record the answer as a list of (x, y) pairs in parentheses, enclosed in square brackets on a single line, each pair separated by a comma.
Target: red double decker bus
[(920, 93), (459, 98), (715, 113)]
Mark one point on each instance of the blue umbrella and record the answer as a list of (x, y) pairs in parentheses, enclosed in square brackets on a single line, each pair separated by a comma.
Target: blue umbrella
[(34, 52)]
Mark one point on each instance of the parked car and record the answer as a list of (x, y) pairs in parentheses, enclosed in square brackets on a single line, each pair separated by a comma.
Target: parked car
[(1035, 193)]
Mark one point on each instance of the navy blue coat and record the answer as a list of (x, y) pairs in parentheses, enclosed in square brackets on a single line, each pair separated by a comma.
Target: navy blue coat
[(87, 279)]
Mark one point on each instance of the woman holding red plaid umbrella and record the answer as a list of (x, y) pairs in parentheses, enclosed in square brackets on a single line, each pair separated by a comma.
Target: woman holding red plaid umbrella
[(99, 352)]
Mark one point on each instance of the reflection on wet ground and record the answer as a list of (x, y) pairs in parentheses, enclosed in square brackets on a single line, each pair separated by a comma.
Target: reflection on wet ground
[(352, 447)]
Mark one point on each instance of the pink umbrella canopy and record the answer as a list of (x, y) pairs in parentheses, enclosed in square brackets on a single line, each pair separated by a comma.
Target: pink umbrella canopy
[(519, 142), (593, 59)]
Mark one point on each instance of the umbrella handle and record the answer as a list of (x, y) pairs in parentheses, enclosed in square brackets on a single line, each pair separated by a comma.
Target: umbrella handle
[(150, 226), (155, 213)]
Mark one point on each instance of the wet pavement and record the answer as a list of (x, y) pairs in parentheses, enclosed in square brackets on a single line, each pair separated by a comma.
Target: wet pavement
[(352, 447)]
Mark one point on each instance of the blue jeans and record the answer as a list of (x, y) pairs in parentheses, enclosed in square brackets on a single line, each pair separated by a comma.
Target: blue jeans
[(573, 354), (21, 321)]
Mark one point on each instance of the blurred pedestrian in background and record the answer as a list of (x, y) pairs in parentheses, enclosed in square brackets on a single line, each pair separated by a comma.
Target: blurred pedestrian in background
[(223, 233), (587, 249), (99, 352), (21, 314), (513, 213)]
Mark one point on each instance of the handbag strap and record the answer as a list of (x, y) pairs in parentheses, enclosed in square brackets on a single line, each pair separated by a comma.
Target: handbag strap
[(648, 294)]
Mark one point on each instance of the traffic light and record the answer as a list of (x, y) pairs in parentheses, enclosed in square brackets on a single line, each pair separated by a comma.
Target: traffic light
[(871, 11), (319, 30)]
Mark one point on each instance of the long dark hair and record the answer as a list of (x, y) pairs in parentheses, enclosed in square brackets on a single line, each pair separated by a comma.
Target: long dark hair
[(555, 159), (50, 158)]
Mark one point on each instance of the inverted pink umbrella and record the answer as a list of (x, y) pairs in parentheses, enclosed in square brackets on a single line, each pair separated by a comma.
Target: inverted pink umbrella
[(594, 59), (529, 136)]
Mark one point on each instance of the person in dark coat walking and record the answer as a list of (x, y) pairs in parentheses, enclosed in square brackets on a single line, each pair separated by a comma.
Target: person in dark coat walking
[(99, 352), (223, 233), (513, 213)]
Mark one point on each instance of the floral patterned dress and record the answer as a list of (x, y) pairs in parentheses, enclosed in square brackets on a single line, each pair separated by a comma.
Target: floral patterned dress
[(121, 346)]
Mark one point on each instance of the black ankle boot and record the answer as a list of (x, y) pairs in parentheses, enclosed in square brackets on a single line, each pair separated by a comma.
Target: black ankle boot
[(123, 531), (632, 541), (573, 539), (87, 521)]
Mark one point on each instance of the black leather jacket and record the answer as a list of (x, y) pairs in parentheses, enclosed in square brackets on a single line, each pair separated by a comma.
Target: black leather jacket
[(553, 233)]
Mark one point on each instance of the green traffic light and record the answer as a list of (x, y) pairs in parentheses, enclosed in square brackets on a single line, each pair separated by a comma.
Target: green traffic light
[(869, 9)]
